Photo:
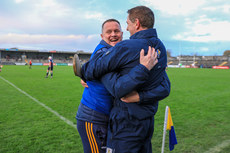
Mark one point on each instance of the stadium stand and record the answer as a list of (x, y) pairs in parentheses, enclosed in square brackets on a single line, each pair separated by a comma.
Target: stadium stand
[(199, 61), (19, 56), (13, 56)]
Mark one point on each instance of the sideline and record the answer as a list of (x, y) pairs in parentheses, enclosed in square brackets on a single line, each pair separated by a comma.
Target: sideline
[(219, 147), (43, 105)]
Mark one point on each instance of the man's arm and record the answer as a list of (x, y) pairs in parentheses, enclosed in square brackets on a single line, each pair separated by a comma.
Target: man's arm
[(120, 86), (159, 93), (103, 63)]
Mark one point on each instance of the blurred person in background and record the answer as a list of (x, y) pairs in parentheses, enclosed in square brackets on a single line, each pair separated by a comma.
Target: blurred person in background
[(30, 64), (50, 68)]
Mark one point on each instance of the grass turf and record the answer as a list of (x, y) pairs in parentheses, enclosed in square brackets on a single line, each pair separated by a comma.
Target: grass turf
[(199, 103)]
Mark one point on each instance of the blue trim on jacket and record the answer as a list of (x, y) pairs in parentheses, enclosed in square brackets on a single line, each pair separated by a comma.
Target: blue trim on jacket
[(96, 99)]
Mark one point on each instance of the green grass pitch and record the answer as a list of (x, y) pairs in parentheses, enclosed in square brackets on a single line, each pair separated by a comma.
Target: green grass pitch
[(199, 103)]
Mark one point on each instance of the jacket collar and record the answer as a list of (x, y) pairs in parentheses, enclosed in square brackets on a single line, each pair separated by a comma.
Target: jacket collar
[(102, 42), (149, 33)]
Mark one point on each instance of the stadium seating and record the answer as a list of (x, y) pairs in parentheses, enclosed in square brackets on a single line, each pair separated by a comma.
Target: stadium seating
[(10, 57)]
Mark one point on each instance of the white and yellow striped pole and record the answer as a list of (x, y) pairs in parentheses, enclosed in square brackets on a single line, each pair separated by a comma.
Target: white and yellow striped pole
[(164, 129)]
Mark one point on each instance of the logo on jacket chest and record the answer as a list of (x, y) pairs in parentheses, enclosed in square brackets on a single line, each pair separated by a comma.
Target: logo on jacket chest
[(158, 53)]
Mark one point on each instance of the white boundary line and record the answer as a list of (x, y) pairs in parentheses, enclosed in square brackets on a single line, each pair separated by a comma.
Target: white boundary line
[(219, 147), (43, 105)]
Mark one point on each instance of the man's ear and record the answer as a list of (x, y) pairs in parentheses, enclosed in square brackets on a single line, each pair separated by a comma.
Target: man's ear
[(138, 25), (101, 36)]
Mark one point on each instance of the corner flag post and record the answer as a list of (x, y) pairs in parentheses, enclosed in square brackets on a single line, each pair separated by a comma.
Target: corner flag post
[(164, 129)]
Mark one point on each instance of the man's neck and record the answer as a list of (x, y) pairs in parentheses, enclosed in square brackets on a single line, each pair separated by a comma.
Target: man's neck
[(141, 28)]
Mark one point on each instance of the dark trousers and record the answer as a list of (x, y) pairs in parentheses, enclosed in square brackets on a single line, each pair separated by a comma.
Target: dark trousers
[(129, 135), (93, 136)]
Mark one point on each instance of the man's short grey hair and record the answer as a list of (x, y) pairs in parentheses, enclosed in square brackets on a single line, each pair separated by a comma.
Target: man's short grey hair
[(144, 14)]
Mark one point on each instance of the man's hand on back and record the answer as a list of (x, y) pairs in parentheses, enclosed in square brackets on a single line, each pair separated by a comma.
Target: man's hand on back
[(84, 84), (150, 60)]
